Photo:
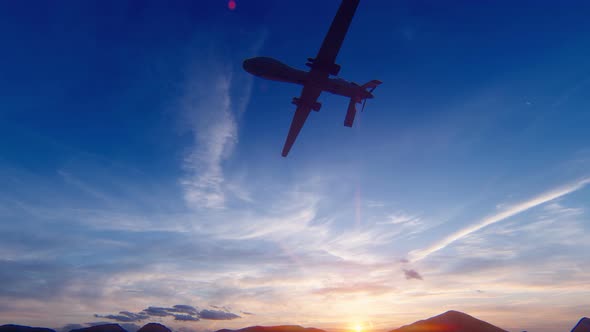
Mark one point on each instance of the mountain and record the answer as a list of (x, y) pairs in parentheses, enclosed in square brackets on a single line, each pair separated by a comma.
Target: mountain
[(281, 328), (22, 328), (102, 328), (582, 326), (154, 327), (450, 321)]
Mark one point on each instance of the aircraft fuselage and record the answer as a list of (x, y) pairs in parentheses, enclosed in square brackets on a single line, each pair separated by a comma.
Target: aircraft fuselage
[(275, 70)]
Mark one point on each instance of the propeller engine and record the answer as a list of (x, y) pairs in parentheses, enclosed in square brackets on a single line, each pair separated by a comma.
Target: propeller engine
[(315, 106), (330, 68)]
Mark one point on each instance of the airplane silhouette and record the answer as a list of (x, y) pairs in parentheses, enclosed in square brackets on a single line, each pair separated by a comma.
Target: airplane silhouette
[(318, 78)]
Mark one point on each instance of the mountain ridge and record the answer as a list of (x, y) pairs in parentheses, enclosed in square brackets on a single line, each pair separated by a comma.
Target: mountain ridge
[(450, 321), (583, 325)]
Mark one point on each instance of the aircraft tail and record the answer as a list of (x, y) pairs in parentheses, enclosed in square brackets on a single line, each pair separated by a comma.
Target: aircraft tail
[(371, 84), (351, 112)]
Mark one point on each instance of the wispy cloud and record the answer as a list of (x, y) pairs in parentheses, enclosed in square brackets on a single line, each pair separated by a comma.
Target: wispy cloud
[(84, 187), (372, 288), (400, 218), (412, 274), (287, 214), (212, 123), (216, 96), (507, 213)]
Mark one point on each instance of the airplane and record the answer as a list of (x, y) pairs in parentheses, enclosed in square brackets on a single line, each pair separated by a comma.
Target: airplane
[(318, 78)]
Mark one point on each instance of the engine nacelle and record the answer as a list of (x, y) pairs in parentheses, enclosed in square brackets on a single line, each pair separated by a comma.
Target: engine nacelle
[(315, 106), (331, 68), (334, 69)]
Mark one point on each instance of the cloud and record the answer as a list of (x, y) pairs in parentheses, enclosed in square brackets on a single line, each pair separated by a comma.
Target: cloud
[(187, 318), (32, 279), (185, 309), (180, 312), (412, 274), (213, 125), (83, 187), (507, 213), (562, 211), (367, 288), (217, 315), (216, 95), (158, 311), (400, 218), (125, 316)]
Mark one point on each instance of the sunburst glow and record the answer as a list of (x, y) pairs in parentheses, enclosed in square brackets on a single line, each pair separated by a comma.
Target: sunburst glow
[(358, 328)]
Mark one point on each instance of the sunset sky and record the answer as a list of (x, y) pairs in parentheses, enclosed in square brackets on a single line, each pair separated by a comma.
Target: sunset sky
[(140, 165)]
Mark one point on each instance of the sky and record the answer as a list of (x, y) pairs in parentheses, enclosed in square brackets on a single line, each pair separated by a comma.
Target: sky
[(141, 177)]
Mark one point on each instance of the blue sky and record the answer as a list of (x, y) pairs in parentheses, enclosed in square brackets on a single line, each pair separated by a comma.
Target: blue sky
[(140, 165)]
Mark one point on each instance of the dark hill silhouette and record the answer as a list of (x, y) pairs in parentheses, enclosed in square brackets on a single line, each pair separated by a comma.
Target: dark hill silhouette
[(582, 326), (154, 327), (281, 328), (450, 321), (22, 328), (102, 328)]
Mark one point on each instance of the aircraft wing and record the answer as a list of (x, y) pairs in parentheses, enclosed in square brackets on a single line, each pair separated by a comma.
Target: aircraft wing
[(309, 96), (333, 40)]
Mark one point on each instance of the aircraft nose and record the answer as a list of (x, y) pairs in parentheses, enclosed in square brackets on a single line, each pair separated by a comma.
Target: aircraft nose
[(248, 65)]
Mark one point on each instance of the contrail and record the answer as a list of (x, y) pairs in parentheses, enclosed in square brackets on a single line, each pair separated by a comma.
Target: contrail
[(417, 255)]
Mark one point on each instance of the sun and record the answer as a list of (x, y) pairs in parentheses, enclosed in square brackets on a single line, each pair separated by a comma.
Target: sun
[(358, 328)]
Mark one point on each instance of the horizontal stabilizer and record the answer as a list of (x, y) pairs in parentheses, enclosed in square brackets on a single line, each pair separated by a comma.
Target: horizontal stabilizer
[(371, 84), (350, 114)]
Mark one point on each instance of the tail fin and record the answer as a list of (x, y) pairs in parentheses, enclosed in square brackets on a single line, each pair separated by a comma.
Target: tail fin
[(371, 84), (351, 113), (349, 119)]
